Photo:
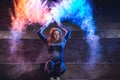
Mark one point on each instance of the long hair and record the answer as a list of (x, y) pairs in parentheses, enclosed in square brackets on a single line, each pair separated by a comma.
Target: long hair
[(51, 38)]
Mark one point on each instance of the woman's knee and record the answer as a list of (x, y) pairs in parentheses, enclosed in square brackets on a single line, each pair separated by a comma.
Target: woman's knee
[(49, 66), (63, 67)]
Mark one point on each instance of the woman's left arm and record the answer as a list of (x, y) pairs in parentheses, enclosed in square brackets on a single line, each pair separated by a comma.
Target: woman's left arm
[(66, 30)]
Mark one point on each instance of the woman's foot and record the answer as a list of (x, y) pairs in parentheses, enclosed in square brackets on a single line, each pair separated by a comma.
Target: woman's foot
[(52, 78), (58, 78)]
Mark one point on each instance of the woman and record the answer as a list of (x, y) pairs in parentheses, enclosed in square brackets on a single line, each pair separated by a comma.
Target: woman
[(56, 43)]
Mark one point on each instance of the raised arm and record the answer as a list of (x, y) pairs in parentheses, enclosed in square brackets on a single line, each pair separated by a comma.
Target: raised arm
[(41, 35), (66, 30)]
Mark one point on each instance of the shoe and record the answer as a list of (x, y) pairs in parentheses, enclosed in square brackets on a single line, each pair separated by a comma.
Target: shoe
[(52, 78), (58, 78)]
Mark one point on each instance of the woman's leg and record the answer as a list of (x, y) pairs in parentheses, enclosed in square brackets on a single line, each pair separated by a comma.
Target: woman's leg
[(49, 67), (59, 68), (55, 69), (62, 68)]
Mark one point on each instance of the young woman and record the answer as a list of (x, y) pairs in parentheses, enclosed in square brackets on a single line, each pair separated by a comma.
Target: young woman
[(56, 43)]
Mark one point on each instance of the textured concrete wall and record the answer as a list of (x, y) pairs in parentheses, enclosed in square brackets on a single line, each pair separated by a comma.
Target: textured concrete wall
[(76, 56), (76, 49)]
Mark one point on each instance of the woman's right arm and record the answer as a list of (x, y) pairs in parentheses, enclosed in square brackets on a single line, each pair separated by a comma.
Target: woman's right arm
[(41, 35)]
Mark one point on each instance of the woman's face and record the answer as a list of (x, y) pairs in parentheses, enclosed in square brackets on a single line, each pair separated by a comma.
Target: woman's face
[(56, 35)]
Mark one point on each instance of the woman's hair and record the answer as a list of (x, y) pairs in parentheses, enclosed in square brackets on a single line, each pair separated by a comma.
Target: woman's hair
[(51, 39)]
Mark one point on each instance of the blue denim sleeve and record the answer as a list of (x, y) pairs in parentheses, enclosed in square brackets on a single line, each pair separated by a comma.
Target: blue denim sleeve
[(43, 38)]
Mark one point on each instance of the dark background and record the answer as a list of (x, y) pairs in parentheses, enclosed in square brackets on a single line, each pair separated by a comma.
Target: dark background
[(107, 20)]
